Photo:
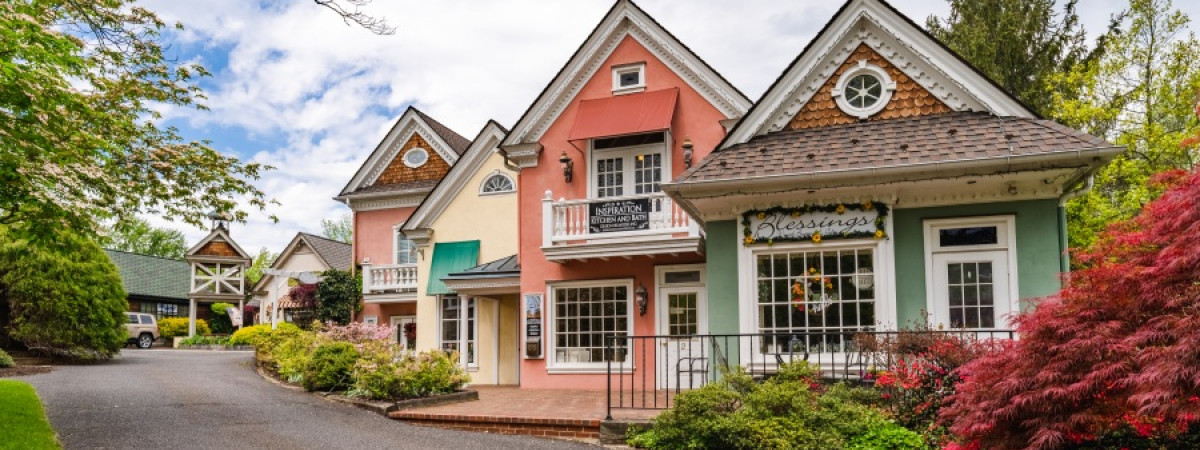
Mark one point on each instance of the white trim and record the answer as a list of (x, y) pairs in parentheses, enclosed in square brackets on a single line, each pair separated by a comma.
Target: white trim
[(1006, 240), (396, 233), (401, 132), (661, 289), (625, 19), (549, 326), (414, 151), (665, 244), (619, 70), (497, 174), (629, 153), (476, 156), (391, 297), (462, 328), (224, 235), (887, 87), (371, 319)]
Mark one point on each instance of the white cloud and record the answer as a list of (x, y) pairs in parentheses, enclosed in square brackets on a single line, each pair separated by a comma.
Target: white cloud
[(294, 68)]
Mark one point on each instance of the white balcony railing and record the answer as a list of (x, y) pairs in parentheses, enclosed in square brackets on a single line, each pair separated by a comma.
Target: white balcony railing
[(633, 217), (379, 278)]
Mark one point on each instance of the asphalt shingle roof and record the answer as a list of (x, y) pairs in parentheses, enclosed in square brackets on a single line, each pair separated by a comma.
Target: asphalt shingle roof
[(454, 140), (335, 253), (410, 186), (958, 136), (152, 276)]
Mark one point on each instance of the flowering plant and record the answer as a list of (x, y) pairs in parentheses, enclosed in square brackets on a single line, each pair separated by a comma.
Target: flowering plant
[(813, 288), (357, 332)]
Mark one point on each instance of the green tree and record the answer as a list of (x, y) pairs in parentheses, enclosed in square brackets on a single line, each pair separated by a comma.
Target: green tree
[(262, 261), (1140, 95), (1020, 44), (340, 229), (61, 293), (337, 296), (81, 84), (135, 235), (219, 321)]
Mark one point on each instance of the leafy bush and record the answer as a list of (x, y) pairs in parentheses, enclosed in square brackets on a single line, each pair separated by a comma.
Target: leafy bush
[(247, 335), (291, 355), (337, 296), (787, 411), (266, 343), (1115, 349), (173, 327), (199, 340), (330, 367), (385, 371), (219, 320), (6, 360), (357, 332)]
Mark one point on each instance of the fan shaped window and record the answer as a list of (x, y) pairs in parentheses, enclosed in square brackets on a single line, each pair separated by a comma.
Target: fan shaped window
[(497, 183), (863, 90)]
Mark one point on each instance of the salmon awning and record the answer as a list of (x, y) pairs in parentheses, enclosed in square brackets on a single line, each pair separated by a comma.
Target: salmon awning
[(625, 114)]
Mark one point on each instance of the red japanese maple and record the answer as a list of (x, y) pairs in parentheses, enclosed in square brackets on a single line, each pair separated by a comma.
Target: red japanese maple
[(1118, 347)]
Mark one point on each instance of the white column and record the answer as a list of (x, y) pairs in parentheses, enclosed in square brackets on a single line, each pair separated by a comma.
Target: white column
[(242, 311), (366, 277), (547, 219), (191, 317), (462, 330)]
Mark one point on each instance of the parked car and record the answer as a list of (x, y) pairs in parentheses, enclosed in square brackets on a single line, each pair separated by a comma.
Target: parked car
[(142, 328)]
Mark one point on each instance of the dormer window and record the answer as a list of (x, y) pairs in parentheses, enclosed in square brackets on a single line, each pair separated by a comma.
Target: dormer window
[(629, 78)]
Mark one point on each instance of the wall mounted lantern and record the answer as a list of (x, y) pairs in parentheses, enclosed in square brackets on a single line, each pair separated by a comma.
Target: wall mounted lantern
[(642, 300), (687, 152), (568, 166)]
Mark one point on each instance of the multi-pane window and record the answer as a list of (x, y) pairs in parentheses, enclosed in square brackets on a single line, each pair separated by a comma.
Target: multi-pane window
[(610, 177), (164, 310), (815, 291), (681, 314), (972, 298), (647, 173), (406, 251), (496, 184), (458, 326), (583, 316)]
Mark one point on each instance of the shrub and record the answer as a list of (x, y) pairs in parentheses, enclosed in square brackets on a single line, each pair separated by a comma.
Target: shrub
[(787, 411), (386, 372), (292, 354), (198, 340), (337, 296), (1116, 346), (247, 335), (173, 327), (357, 332), (219, 320), (330, 367), (266, 343), (6, 360)]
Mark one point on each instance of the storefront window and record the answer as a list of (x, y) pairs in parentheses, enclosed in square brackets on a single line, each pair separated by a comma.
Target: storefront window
[(458, 326), (583, 315), (819, 294)]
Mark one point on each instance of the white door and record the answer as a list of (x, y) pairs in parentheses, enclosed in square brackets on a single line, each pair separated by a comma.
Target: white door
[(971, 290), (684, 363), (398, 323)]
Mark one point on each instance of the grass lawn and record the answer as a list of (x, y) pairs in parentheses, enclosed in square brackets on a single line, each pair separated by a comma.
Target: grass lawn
[(23, 424)]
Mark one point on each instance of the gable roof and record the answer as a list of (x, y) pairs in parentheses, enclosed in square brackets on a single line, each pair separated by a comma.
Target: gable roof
[(449, 186), (448, 145), (218, 234), (335, 254), (940, 140), (904, 43), (152, 276), (624, 19)]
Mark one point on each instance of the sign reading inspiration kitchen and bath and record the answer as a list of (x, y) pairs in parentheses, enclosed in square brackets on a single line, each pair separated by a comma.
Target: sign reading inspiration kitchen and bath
[(619, 215), (815, 223)]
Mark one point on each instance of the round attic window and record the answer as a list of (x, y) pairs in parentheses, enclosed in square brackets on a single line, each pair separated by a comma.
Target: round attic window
[(416, 157), (863, 90)]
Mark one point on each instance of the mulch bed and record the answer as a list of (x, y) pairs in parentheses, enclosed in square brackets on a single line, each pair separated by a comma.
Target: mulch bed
[(21, 371)]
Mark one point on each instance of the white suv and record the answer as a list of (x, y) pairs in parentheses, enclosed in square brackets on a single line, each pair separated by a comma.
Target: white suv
[(142, 328)]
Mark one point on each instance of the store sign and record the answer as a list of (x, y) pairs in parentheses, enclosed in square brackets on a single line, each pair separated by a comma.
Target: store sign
[(619, 215), (814, 223), (533, 326)]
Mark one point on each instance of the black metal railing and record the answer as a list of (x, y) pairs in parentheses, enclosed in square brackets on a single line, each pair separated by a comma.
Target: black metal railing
[(647, 372)]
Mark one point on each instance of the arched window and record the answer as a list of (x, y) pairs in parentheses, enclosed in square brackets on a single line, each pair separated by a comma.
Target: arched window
[(497, 183)]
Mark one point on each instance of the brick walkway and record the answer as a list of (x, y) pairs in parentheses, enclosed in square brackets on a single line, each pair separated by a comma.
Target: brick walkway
[(539, 412)]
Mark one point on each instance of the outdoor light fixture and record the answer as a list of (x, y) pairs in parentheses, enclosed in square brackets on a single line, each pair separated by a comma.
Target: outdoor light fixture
[(568, 166), (639, 296), (687, 152)]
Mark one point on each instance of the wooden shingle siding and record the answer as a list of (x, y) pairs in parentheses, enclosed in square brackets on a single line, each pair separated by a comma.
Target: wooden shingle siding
[(217, 248), (909, 100), (398, 173)]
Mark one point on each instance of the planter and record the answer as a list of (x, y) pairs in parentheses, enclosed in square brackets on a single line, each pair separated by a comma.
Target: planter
[(436, 400)]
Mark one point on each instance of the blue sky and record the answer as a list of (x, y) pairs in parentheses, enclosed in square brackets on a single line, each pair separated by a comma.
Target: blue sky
[(296, 88)]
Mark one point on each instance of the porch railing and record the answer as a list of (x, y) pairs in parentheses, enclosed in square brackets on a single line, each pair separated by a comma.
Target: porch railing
[(389, 278), (571, 220), (664, 366)]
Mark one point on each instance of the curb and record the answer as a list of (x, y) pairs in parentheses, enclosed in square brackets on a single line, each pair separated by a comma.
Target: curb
[(381, 408)]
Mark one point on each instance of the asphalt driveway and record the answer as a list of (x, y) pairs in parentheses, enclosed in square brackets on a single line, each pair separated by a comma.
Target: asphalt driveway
[(215, 400)]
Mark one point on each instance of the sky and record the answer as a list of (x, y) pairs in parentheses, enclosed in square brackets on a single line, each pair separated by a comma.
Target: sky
[(295, 87)]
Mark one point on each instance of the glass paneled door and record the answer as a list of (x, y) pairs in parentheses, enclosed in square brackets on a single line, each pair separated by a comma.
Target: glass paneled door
[(683, 362), (971, 290)]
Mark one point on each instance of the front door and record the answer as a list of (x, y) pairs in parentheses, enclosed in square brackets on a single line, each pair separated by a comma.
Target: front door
[(685, 362), (971, 290), (398, 323)]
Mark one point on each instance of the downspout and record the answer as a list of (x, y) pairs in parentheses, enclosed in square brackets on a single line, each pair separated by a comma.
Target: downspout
[(1064, 264), (507, 162)]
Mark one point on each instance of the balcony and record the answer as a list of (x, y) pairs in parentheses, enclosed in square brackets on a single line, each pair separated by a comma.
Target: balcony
[(626, 226), (389, 282)]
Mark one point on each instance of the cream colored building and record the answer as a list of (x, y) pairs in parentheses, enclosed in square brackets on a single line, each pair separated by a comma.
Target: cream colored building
[(304, 258), (465, 238)]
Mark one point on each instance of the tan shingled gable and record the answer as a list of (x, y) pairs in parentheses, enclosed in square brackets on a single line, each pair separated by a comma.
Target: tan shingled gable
[(398, 173), (909, 99), (217, 248)]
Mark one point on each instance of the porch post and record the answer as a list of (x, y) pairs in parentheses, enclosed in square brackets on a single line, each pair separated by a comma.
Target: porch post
[(547, 219), (191, 317), (463, 330)]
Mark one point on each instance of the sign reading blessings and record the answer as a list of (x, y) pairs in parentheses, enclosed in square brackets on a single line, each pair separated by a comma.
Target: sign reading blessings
[(814, 223)]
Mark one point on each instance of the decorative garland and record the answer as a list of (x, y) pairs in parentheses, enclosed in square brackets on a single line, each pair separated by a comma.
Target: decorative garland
[(817, 237)]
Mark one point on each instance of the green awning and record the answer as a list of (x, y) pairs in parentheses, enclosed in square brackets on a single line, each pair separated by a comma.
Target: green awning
[(449, 257)]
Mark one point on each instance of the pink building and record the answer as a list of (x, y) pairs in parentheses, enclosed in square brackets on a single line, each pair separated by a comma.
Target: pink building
[(402, 170), (602, 250)]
